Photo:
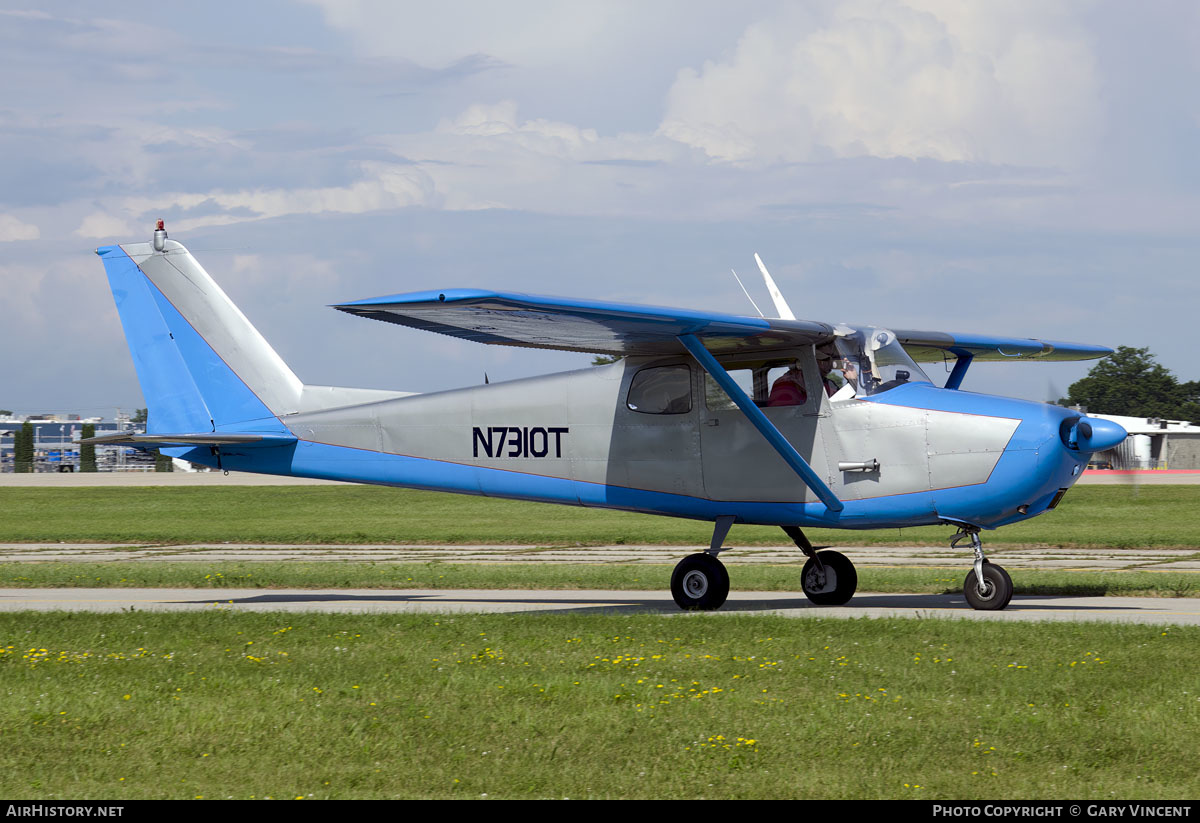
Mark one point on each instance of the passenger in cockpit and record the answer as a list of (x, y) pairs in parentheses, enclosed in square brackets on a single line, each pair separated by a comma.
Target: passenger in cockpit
[(788, 389)]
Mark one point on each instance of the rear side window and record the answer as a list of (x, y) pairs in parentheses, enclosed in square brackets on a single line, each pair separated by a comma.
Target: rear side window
[(661, 390)]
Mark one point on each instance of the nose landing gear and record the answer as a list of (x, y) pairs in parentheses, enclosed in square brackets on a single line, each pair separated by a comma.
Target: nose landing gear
[(987, 587)]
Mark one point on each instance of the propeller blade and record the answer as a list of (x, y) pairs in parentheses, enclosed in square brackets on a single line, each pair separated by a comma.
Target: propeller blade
[(781, 306)]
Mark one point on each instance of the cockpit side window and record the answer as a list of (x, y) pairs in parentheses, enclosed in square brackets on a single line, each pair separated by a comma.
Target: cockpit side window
[(661, 390), (769, 383)]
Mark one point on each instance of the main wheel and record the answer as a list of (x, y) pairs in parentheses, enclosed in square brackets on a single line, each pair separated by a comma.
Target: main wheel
[(997, 589), (833, 588), (700, 583)]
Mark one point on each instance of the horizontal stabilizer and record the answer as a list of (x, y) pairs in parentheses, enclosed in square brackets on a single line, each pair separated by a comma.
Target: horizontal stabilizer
[(154, 441)]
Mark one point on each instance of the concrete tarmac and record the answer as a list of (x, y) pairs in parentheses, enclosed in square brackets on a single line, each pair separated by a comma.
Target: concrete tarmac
[(1146, 610), (1177, 611), (1095, 559)]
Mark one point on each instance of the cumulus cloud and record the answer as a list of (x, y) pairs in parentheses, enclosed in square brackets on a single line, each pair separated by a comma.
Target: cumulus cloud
[(488, 157), (383, 186), (103, 225), (13, 228), (542, 31), (902, 78)]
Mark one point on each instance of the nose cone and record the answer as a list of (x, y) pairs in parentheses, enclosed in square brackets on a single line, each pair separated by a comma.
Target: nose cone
[(1094, 434)]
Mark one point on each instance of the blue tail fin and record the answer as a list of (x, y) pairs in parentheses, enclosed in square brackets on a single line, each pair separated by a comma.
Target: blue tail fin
[(201, 365)]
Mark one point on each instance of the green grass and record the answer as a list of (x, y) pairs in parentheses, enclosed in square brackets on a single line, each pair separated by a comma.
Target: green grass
[(242, 705), (1089, 516), (639, 577)]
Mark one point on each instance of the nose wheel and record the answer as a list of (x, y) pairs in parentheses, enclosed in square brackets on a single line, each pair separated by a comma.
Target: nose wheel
[(987, 587), (993, 593)]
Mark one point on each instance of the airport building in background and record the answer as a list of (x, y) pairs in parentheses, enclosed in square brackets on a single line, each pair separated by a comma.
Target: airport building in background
[(1152, 444), (56, 443)]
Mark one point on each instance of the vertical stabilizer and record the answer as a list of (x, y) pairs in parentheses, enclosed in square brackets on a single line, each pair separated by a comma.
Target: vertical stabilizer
[(201, 364)]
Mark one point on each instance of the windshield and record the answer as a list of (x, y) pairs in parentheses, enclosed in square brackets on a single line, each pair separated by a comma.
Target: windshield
[(873, 361)]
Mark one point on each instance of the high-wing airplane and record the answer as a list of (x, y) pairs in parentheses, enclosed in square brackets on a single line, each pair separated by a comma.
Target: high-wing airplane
[(708, 416)]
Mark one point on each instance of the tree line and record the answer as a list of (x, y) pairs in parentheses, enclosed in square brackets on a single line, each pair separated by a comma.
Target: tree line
[(1132, 383)]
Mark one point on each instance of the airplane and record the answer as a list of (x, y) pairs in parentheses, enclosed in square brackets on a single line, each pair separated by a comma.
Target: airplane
[(709, 416)]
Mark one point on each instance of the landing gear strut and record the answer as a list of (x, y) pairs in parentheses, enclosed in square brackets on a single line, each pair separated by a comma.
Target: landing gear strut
[(987, 587), (828, 578)]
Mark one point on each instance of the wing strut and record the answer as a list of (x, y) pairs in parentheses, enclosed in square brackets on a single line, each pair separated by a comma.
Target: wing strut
[(767, 429), (961, 363)]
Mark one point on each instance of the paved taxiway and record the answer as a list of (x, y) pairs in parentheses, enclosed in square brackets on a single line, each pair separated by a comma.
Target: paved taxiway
[(955, 561), (1175, 611), (1180, 611)]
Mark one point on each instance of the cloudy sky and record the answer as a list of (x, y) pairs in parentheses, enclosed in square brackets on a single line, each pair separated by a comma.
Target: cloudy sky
[(1023, 168)]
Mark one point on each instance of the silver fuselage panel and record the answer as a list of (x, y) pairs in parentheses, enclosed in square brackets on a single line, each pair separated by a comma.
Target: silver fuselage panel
[(579, 426)]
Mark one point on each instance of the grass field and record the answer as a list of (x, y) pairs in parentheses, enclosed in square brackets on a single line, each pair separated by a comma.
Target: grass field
[(241, 705), (1089, 516), (747, 577), (265, 705)]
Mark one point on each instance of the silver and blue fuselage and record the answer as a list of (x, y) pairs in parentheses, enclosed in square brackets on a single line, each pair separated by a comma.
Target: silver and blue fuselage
[(940, 455)]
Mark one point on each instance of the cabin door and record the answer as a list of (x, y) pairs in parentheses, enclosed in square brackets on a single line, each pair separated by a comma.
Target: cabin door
[(739, 464)]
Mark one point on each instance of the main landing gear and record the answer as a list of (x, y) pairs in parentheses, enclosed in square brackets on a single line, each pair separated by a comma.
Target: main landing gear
[(828, 578), (701, 582), (987, 587)]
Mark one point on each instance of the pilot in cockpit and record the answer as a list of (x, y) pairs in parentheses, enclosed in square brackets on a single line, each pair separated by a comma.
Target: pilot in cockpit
[(850, 372), (850, 376), (825, 368)]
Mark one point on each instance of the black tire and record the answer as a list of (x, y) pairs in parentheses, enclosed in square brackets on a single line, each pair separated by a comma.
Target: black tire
[(700, 583), (839, 583), (998, 589)]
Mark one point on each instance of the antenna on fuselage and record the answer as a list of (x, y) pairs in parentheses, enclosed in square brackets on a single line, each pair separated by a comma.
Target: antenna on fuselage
[(748, 297), (781, 306)]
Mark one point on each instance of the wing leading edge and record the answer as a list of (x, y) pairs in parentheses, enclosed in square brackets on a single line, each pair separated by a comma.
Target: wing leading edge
[(534, 321)]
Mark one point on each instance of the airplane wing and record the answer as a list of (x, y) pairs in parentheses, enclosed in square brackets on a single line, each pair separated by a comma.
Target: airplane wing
[(534, 321), (932, 346)]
